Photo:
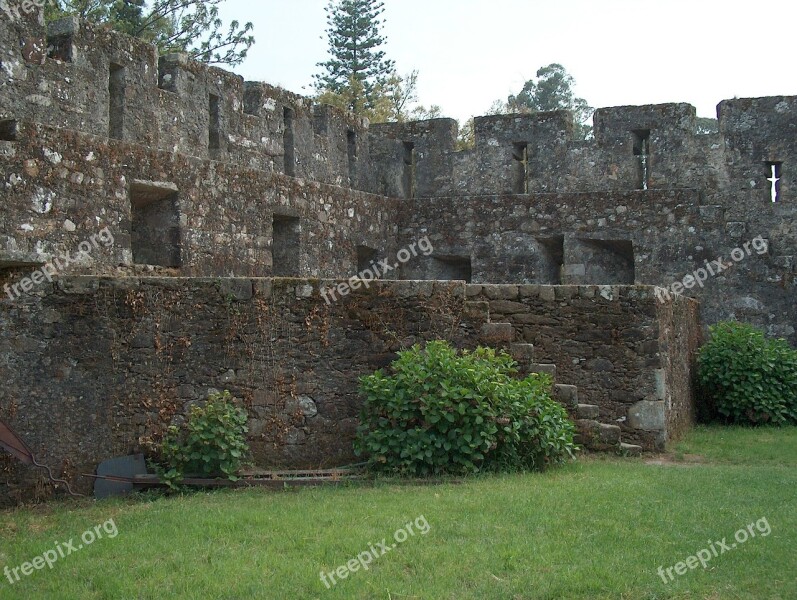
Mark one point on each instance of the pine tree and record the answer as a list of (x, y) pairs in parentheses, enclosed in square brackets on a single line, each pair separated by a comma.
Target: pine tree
[(357, 69)]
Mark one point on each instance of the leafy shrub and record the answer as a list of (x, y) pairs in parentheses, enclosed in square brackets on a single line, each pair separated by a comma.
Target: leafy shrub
[(747, 378), (441, 411), (211, 442)]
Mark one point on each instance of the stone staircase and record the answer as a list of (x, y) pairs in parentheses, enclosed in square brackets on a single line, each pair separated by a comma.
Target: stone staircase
[(591, 434)]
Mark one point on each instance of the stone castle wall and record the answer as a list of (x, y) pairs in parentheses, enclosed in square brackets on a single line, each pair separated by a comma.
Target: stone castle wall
[(97, 367), (705, 193), (193, 172)]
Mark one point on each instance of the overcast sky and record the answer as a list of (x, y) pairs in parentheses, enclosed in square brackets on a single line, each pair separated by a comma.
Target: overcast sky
[(472, 52)]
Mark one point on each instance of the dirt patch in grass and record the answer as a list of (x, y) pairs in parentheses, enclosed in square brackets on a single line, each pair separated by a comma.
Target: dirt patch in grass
[(676, 460)]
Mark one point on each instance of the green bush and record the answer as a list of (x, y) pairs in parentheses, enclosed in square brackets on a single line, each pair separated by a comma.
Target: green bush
[(747, 378), (211, 442), (441, 411)]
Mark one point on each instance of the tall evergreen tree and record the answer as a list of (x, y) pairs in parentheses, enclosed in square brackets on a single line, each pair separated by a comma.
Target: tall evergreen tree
[(357, 68)]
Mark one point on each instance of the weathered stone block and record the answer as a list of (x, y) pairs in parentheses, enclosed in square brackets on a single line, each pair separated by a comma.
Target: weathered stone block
[(588, 411), (497, 333), (522, 353), (507, 307), (477, 310), (712, 214), (736, 229), (472, 291), (501, 292), (566, 395), (647, 415), (544, 368), (236, 289)]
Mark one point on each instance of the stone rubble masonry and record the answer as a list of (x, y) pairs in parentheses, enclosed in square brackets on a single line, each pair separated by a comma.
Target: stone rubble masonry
[(96, 367)]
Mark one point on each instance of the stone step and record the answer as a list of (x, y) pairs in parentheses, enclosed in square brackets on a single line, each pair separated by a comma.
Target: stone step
[(597, 436), (542, 368), (522, 353), (630, 450), (567, 395), (588, 411)]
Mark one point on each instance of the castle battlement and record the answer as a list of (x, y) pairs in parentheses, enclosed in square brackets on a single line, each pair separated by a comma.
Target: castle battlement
[(106, 84)]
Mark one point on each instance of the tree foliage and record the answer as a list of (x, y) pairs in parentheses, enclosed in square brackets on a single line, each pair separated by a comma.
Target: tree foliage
[(466, 138), (393, 101), (357, 70), (551, 90), (191, 26), (704, 125)]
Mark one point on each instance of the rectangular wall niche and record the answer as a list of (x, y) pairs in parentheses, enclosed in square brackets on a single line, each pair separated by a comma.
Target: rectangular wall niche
[(116, 102), (285, 247), (607, 262), (451, 268), (155, 236), (8, 130), (365, 258), (551, 259), (59, 47)]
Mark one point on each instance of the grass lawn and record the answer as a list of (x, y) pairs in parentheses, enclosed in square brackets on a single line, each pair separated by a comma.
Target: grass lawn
[(599, 528)]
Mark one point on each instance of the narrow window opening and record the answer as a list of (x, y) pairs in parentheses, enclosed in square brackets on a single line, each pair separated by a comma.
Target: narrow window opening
[(409, 170), (320, 120), (351, 137), (285, 246), (9, 130), (155, 236), (214, 130), (253, 98), (116, 103), (366, 257), (642, 152), (520, 156), (288, 142), (59, 47), (774, 172), (168, 73)]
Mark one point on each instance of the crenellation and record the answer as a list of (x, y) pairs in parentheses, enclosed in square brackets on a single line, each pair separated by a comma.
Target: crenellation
[(61, 39), (433, 143)]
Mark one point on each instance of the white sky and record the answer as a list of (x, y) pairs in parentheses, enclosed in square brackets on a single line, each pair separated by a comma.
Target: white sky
[(472, 52)]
